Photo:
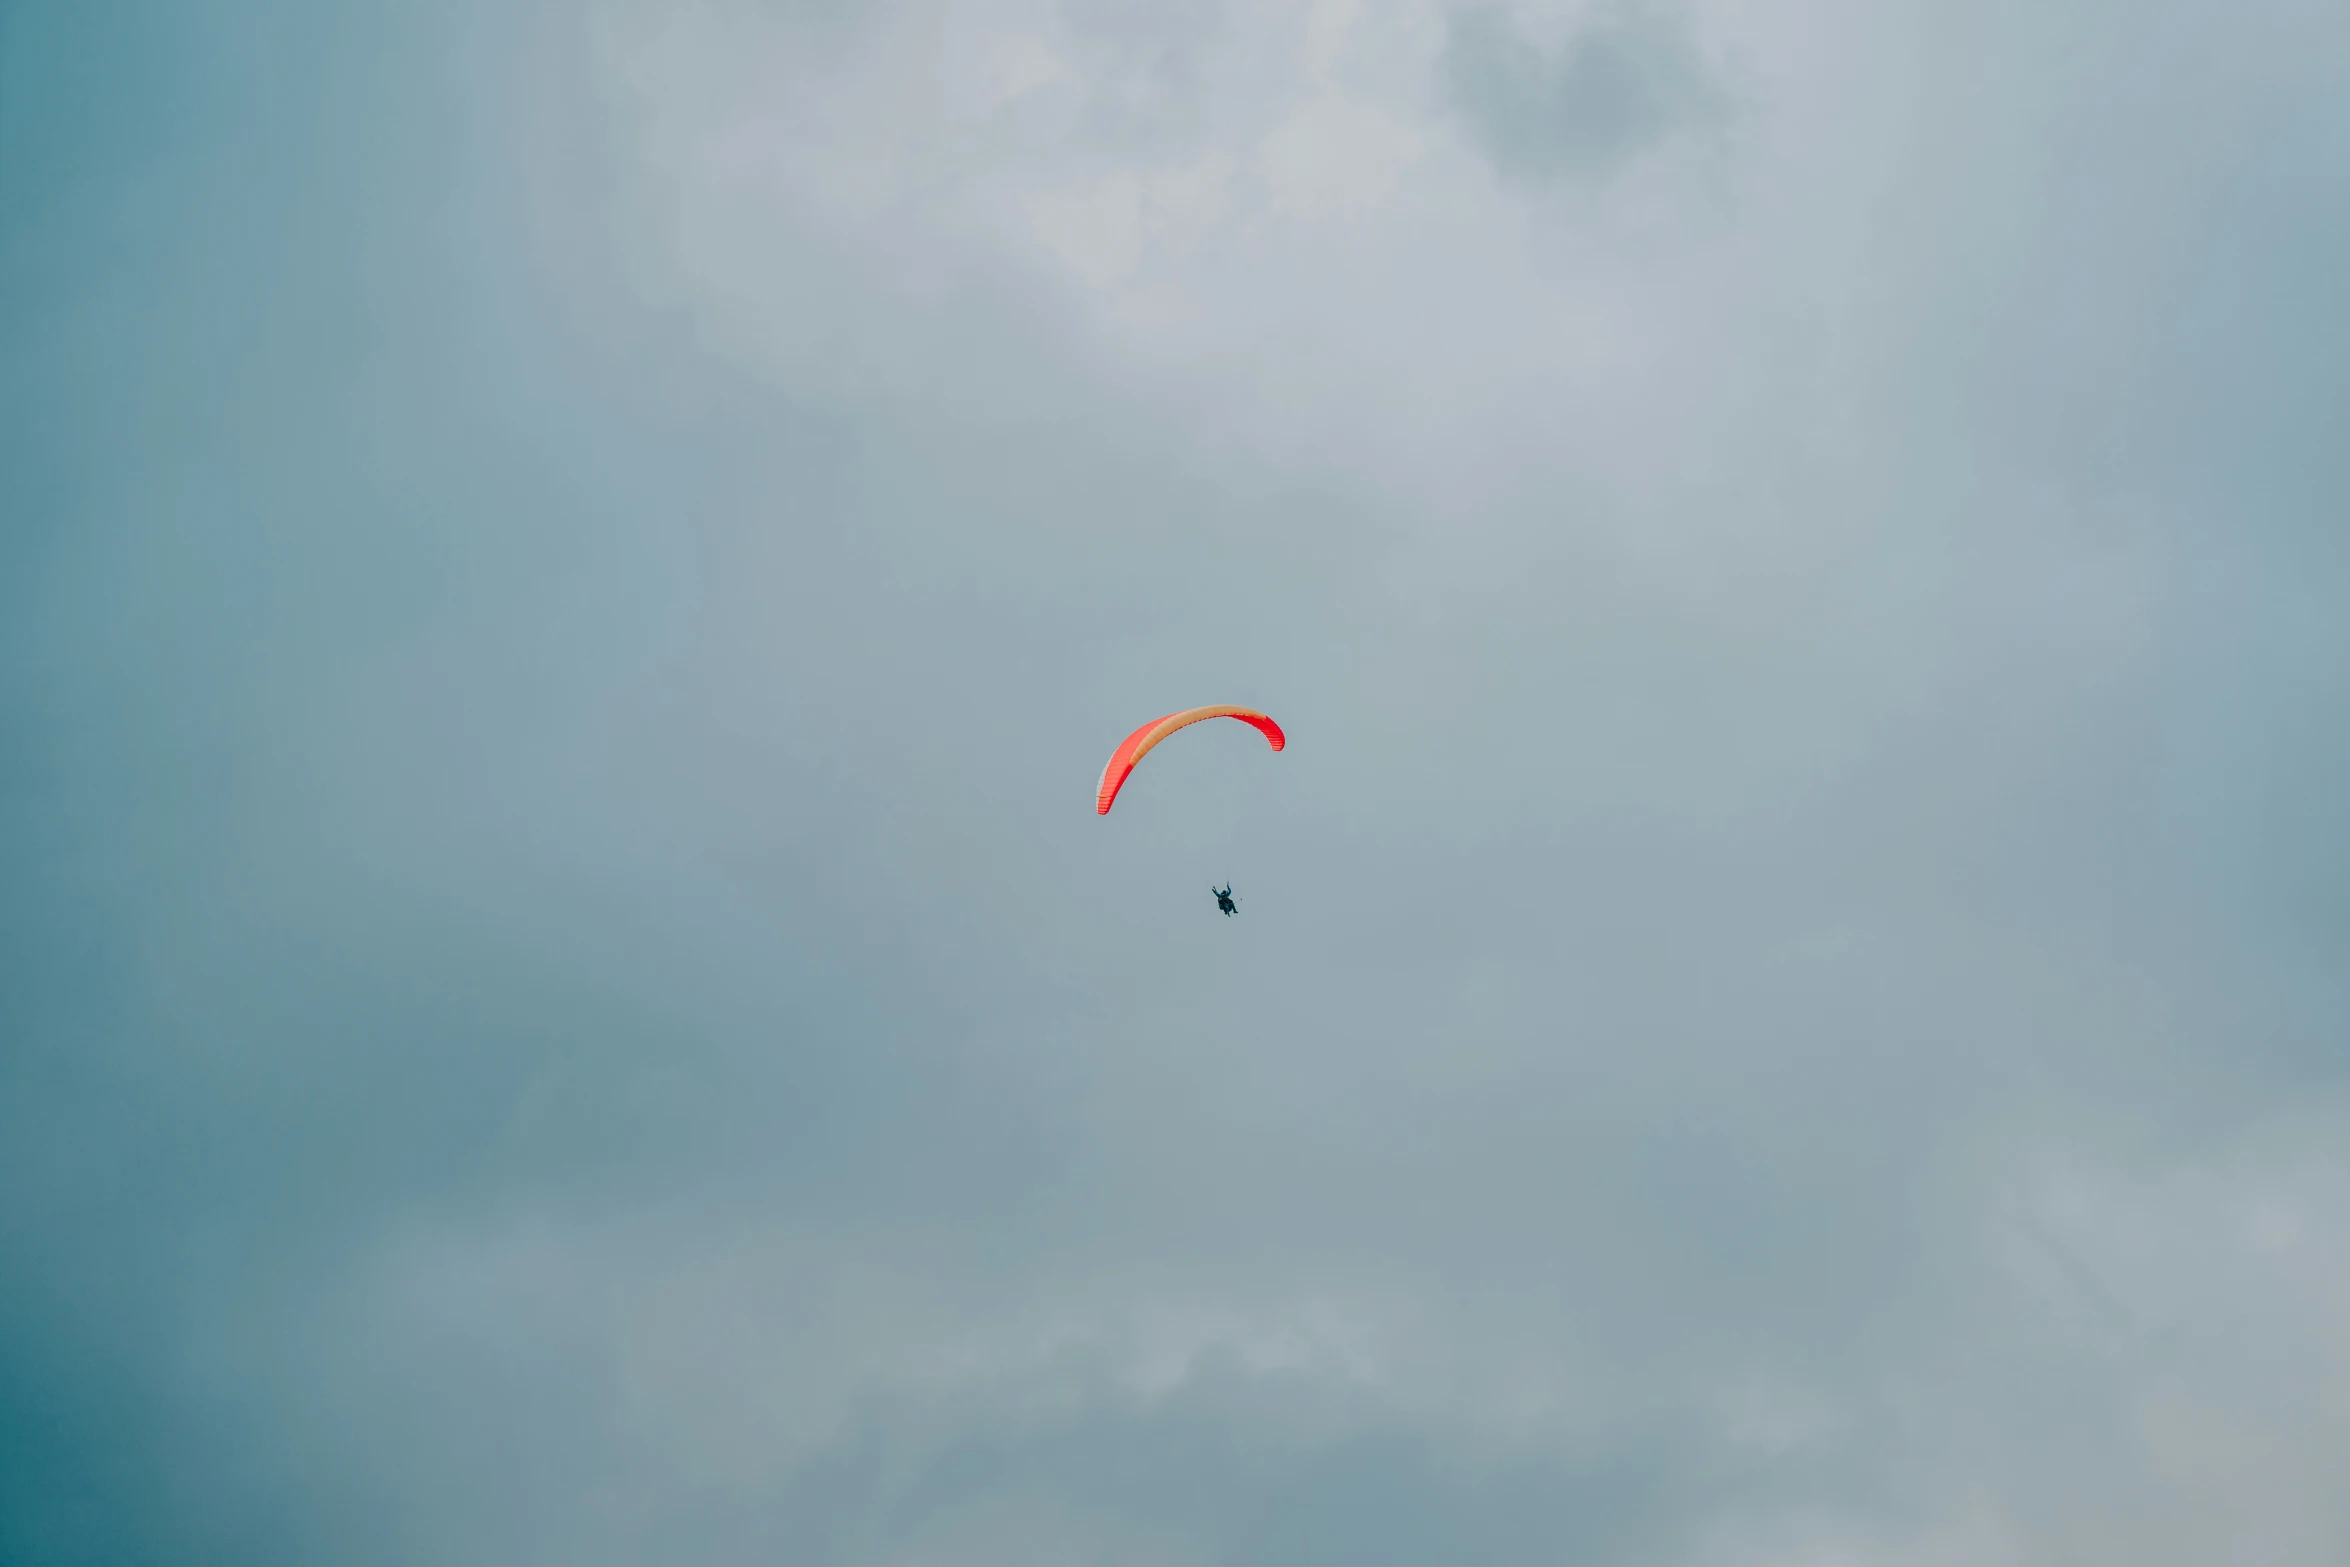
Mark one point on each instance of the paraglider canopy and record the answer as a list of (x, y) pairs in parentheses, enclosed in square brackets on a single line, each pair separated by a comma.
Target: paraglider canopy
[(1137, 745)]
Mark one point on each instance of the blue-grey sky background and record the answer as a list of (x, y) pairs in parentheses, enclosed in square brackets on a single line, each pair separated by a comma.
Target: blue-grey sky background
[(568, 571)]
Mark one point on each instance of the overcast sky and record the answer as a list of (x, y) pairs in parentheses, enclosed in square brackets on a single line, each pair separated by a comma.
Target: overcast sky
[(566, 575)]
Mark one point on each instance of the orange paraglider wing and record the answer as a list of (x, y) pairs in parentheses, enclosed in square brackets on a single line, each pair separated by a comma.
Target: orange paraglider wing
[(1137, 745)]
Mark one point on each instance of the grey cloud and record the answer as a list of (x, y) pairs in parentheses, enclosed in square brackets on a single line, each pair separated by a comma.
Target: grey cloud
[(562, 999), (1214, 1473), (1618, 86)]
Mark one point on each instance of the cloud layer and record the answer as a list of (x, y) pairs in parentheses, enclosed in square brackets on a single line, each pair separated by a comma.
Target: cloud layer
[(571, 570)]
